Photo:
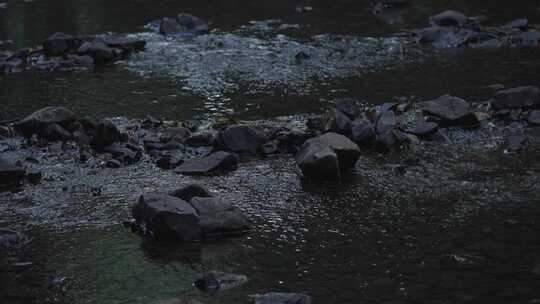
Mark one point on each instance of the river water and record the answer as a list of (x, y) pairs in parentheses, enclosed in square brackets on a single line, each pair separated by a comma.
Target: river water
[(458, 224)]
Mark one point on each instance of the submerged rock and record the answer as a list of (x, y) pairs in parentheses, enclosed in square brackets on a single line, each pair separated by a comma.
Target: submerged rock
[(520, 97), (215, 281), (281, 298), (37, 122), (218, 161), (452, 111), (327, 156), (218, 217), (241, 139)]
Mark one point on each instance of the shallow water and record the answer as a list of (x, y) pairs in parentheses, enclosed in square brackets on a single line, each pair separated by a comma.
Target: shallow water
[(459, 226)]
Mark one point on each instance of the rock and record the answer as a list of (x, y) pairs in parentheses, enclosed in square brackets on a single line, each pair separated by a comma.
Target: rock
[(99, 51), (515, 143), (123, 154), (113, 164), (106, 134), (192, 24), (449, 18), (423, 128), (5, 132), (128, 45), (169, 26), (241, 139), (199, 140), (336, 121), (270, 147), (534, 117), (441, 37), (11, 238), (218, 161), (386, 122), (452, 111), (178, 134), (10, 174), (56, 132), (362, 131), (164, 217), (520, 97), (190, 191), (348, 107), (521, 24), (38, 121), (170, 160), (528, 39), (326, 156), (59, 44), (219, 217), (215, 281), (281, 298)]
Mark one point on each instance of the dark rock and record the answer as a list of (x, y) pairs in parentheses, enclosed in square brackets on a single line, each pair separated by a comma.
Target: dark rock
[(38, 121), (534, 117), (177, 134), (170, 160), (440, 37), (11, 238), (123, 154), (165, 217), (128, 45), (13, 65), (521, 24), (81, 138), (151, 122), (451, 110), (528, 39), (219, 217), (89, 124), (5, 132), (10, 174), (301, 56), (241, 139), (270, 147), (33, 175), (520, 97), (218, 161), (386, 122), (113, 164), (348, 107), (362, 131), (336, 121), (200, 140), (423, 128), (169, 26), (190, 191), (281, 298), (56, 132), (99, 51), (326, 156), (59, 44), (84, 60), (215, 281), (449, 18), (192, 24), (106, 134), (515, 143)]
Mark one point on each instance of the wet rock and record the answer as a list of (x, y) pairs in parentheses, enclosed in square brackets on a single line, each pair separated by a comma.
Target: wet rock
[(281, 298), (5, 132), (218, 161), (127, 45), (534, 117), (113, 164), (56, 132), (348, 107), (336, 121), (190, 191), (218, 217), (10, 174), (178, 134), (326, 156), (38, 121), (521, 24), (241, 139), (59, 44), (106, 134), (215, 281), (520, 97), (449, 18), (270, 147), (386, 121), (528, 39), (423, 128), (451, 110), (123, 154), (200, 140), (182, 25), (169, 26), (165, 217), (362, 131), (440, 37), (11, 238), (515, 143), (170, 160), (99, 51)]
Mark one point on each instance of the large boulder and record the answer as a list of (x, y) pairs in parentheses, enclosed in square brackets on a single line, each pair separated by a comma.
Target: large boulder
[(59, 44), (164, 217), (241, 139), (37, 122), (218, 161), (449, 18), (105, 134), (362, 130), (327, 156), (10, 174), (281, 298), (218, 217), (336, 121), (520, 97), (452, 111)]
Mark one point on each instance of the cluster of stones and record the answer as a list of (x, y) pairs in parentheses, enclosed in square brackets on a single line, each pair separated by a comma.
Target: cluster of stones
[(454, 29), (65, 52)]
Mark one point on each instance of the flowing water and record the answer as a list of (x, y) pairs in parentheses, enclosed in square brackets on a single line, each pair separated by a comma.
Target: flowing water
[(453, 222)]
